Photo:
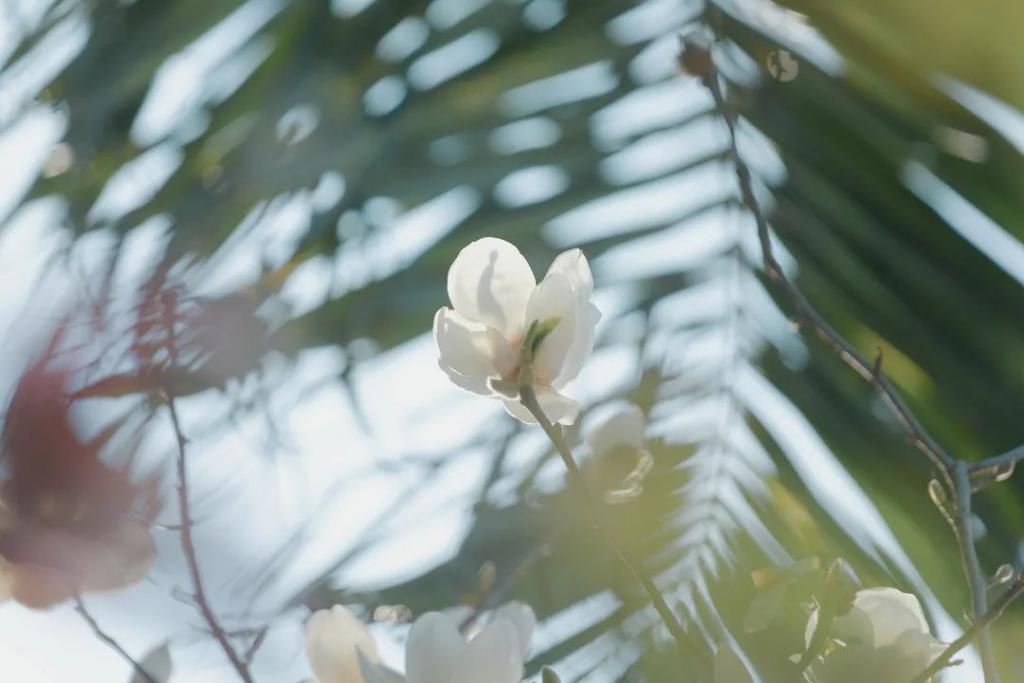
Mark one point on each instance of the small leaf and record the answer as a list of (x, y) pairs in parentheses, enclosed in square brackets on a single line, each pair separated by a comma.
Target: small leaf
[(729, 667), (157, 663), (504, 388), (542, 330), (548, 675)]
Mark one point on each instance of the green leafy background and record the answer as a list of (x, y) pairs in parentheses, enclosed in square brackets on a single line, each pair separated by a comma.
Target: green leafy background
[(865, 161)]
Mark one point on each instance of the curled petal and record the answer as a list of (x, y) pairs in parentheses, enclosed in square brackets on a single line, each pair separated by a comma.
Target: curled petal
[(490, 282), (494, 656), (587, 317), (553, 298), (574, 266), (434, 649), (853, 628), (335, 638), (557, 408), (470, 352), (522, 617), (622, 425), (892, 612)]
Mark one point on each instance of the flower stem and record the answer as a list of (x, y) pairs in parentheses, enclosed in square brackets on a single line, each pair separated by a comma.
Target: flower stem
[(690, 653)]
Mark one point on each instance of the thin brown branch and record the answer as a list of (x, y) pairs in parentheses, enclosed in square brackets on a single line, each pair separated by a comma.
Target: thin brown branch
[(974, 631), (692, 656), (1002, 462), (187, 542), (110, 641), (954, 473), (870, 371)]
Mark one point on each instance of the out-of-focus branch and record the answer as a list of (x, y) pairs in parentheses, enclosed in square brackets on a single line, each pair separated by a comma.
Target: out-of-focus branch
[(110, 641), (979, 625), (188, 548), (806, 314), (1004, 462)]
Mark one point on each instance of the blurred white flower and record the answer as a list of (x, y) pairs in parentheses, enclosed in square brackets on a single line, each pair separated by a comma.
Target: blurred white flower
[(495, 298), (619, 425), (618, 428), (335, 638), (341, 650), (438, 653), (884, 638)]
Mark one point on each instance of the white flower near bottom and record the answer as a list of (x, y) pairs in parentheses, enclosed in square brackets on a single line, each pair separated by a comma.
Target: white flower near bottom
[(438, 653), (495, 298), (341, 650), (884, 638), (335, 641)]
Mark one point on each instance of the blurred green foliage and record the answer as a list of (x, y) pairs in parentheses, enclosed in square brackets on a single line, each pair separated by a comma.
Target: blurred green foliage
[(881, 264)]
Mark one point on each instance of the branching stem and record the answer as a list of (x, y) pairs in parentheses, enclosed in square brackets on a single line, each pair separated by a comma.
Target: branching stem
[(110, 641), (691, 654), (187, 542)]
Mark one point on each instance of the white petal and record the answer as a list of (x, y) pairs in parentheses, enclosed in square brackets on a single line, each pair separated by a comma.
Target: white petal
[(470, 352), (919, 648), (334, 639), (729, 667), (490, 282), (553, 298), (434, 649), (522, 617), (556, 407), (492, 657), (891, 612), (853, 628), (587, 317), (621, 425), (573, 265)]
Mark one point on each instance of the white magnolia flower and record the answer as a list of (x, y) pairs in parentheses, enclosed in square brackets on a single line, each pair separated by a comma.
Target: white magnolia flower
[(335, 639), (621, 425), (495, 298), (884, 638), (341, 650), (438, 653)]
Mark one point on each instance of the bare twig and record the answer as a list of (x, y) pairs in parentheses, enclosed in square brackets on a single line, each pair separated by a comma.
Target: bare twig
[(691, 655), (187, 542), (975, 630), (109, 640), (954, 473), (870, 370)]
